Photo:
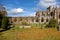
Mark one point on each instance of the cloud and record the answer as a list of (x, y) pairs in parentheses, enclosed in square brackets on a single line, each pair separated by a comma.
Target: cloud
[(16, 10), (50, 0), (46, 3), (33, 14)]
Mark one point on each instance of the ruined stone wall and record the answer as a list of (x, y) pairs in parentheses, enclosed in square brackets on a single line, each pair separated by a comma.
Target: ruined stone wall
[(41, 16), (17, 20)]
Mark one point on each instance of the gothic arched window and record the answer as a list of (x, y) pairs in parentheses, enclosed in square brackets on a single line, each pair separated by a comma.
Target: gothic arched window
[(51, 13), (59, 16), (37, 20), (47, 20), (42, 20)]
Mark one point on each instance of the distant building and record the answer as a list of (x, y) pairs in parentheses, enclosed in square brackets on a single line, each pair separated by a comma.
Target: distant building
[(40, 17), (51, 12)]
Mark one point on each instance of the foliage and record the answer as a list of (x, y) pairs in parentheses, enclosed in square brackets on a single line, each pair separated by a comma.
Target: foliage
[(0, 23), (0, 20), (52, 23), (35, 25), (24, 23), (5, 23), (2, 14)]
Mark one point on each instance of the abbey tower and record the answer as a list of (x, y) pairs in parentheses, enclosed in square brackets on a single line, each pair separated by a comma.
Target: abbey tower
[(51, 12)]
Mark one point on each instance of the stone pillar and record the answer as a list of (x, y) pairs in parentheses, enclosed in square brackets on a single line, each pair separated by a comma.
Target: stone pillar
[(34, 21)]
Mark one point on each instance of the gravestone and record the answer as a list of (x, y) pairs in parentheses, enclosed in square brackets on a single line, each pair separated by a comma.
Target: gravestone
[(58, 28), (25, 26)]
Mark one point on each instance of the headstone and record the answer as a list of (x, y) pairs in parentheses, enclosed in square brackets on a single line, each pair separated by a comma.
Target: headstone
[(25, 26), (21, 26), (57, 28)]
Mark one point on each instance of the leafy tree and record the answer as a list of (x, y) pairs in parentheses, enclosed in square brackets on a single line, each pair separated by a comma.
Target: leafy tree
[(24, 23), (0, 23), (0, 20), (3, 13), (52, 23), (5, 23)]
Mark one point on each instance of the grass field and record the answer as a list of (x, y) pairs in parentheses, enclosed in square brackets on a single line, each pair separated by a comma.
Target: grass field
[(30, 34)]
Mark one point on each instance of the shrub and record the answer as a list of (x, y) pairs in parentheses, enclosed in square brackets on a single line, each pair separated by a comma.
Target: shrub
[(52, 23), (0, 23), (0, 20), (24, 23), (5, 23)]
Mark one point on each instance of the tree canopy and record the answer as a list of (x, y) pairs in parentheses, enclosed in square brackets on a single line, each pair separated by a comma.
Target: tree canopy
[(52, 23)]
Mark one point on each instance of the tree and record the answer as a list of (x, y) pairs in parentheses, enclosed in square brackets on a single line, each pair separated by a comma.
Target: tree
[(0, 20), (0, 23), (52, 23), (3, 13), (5, 23), (24, 23)]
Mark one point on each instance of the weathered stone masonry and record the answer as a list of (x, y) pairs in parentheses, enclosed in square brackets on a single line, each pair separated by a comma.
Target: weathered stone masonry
[(40, 17)]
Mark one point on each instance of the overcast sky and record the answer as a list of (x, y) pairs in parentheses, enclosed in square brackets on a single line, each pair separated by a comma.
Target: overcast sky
[(27, 7)]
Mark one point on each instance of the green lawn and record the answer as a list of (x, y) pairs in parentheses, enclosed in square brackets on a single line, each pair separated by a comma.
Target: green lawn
[(30, 34)]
